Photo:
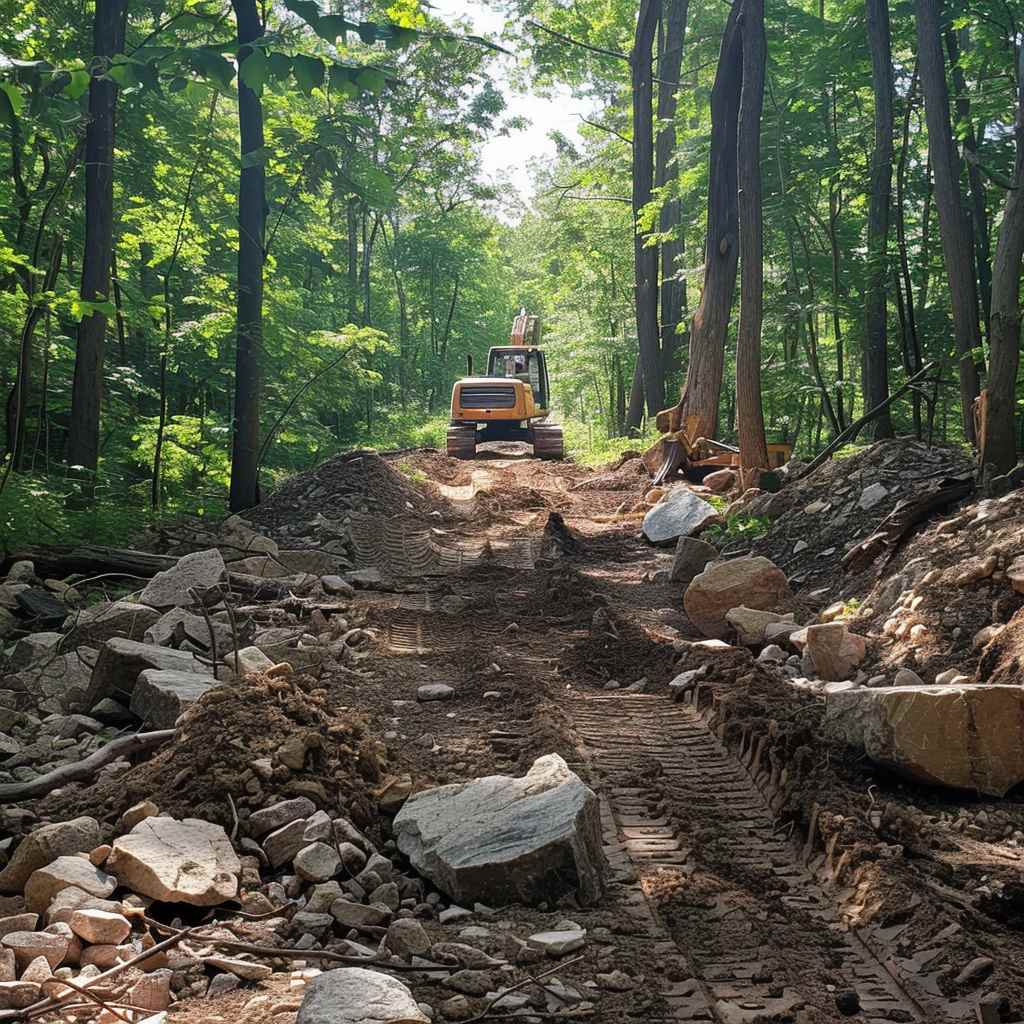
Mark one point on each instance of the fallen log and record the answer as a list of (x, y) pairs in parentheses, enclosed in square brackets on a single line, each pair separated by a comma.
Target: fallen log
[(58, 560), (903, 518), (80, 770)]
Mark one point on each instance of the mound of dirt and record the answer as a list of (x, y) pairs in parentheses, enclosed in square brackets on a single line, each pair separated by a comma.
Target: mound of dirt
[(359, 481), (617, 650), (626, 475), (816, 520), (256, 741)]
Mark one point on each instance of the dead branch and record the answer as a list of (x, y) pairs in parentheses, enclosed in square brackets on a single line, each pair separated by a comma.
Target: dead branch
[(85, 769), (486, 1014)]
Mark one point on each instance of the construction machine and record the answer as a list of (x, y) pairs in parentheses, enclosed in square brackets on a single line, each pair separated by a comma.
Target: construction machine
[(511, 403)]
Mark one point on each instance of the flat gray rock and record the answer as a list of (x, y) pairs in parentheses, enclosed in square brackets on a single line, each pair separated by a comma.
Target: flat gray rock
[(121, 661), (161, 695), (354, 995), (499, 839), (680, 514), (170, 588)]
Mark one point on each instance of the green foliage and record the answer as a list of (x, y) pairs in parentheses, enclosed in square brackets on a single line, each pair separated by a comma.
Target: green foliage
[(740, 527)]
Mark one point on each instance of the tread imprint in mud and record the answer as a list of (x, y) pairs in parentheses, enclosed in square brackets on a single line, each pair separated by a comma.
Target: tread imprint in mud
[(737, 977), (402, 547)]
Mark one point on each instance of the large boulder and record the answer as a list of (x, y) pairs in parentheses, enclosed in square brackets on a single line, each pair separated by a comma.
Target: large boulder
[(120, 662), (178, 623), (967, 737), (161, 695), (753, 582), (46, 844), (680, 514), (834, 651), (500, 839), (63, 677), (187, 861), (170, 588), (354, 995)]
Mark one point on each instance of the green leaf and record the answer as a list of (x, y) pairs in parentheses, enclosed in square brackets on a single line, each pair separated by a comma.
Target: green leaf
[(331, 26), (371, 80), (308, 11), (309, 72), (280, 66), (177, 84), (255, 70), (78, 84), (14, 97), (212, 66), (124, 74), (342, 81)]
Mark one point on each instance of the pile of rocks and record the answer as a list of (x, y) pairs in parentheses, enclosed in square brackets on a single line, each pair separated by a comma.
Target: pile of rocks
[(147, 657)]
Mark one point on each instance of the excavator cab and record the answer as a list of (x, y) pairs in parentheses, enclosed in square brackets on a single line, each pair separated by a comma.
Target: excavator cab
[(511, 403)]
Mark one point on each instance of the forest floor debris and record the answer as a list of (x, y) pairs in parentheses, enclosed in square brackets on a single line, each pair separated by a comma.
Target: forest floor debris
[(296, 756)]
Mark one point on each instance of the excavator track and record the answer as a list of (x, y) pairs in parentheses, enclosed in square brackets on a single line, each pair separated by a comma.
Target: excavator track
[(737, 969), (547, 441), (461, 442)]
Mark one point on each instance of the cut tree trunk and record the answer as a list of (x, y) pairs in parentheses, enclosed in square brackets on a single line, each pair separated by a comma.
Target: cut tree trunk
[(645, 255), (954, 223), (87, 387), (749, 408), (703, 386), (876, 350), (249, 318)]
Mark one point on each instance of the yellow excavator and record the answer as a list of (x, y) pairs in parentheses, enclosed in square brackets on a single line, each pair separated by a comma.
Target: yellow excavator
[(511, 403)]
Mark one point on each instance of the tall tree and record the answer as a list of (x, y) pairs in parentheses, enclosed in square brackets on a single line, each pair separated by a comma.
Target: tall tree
[(711, 321), (876, 351), (672, 290), (249, 309), (999, 450), (87, 387), (645, 254), (749, 408), (954, 223)]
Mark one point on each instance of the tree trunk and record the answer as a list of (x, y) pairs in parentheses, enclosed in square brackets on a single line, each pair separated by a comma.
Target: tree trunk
[(645, 256), (635, 412), (876, 361), (670, 58), (749, 409), (999, 448), (87, 387), (249, 319), (711, 321), (954, 225)]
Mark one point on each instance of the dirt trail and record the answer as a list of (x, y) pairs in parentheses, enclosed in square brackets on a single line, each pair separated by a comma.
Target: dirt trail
[(727, 913)]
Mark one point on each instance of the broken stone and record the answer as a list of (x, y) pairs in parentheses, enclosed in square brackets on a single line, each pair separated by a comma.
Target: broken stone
[(336, 585), (965, 737), (691, 557), (28, 945), (754, 582), (250, 660), (103, 622), (188, 861), (17, 995), (247, 970), (407, 938), (834, 651), (680, 514), (183, 625), (282, 813), (317, 862), (871, 496), (498, 839), (907, 677), (558, 943), (41, 607), (354, 995), (62, 873), (170, 588), (750, 623), (358, 915), (720, 481), (161, 695), (100, 927), (121, 661), (282, 845), (434, 691), (46, 844)]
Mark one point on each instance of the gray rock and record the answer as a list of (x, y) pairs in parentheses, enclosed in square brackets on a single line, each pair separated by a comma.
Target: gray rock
[(104, 621), (282, 813), (434, 691), (46, 844), (32, 648), (407, 937), (907, 677), (871, 496), (170, 588), (284, 843), (160, 696), (772, 653), (558, 943), (184, 624), (692, 555), (354, 995), (336, 585), (500, 839), (317, 862), (359, 915), (64, 678), (680, 514), (120, 662)]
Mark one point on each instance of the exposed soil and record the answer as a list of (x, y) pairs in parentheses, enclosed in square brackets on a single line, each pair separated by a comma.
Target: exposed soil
[(759, 874)]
